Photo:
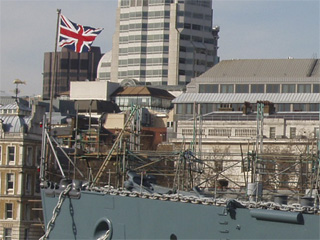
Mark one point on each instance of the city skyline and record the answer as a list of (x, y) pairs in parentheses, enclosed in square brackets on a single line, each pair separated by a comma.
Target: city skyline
[(248, 30)]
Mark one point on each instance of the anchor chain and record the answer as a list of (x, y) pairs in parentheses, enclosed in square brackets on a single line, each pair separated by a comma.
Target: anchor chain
[(105, 236), (56, 212), (108, 233)]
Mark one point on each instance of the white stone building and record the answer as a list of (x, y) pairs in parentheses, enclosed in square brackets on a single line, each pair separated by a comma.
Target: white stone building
[(219, 118), (20, 153)]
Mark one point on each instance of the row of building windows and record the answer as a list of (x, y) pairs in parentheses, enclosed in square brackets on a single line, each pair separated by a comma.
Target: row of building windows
[(144, 38), (106, 64), (259, 88), (196, 50), (195, 15), (14, 112), (75, 75), (193, 38), (104, 75), (139, 3), (74, 64), (188, 108), (196, 27), (144, 73), (203, 3), (144, 62), (152, 102), (7, 234), (195, 62), (144, 15), (163, 14), (29, 159), (30, 181), (186, 73), (9, 208), (143, 50), (240, 132), (144, 26)]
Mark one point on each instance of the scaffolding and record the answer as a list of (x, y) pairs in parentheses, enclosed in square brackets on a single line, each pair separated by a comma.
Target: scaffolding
[(217, 172)]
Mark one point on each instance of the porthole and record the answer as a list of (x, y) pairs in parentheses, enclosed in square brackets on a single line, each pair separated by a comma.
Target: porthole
[(173, 237)]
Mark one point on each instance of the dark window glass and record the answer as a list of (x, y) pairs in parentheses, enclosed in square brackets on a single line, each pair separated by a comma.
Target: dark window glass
[(299, 107), (11, 154), (74, 63), (10, 181), (226, 88), (9, 210), (304, 88), (273, 88), (84, 64), (284, 107), (64, 64), (179, 108), (208, 88), (7, 234), (314, 107), (288, 88), (257, 88), (189, 108), (196, 27), (187, 25), (242, 88), (184, 37)]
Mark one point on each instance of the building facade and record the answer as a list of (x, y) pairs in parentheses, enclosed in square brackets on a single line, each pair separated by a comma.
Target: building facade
[(145, 97), (269, 107), (291, 84), (70, 66), (162, 42), (20, 150)]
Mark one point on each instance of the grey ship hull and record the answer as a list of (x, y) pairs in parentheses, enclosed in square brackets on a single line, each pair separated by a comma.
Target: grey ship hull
[(145, 218)]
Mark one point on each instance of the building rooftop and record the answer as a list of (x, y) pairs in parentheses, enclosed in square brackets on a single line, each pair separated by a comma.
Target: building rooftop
[(14, 124), (5, 100), (143, 91), (264, 68), (14, 117)]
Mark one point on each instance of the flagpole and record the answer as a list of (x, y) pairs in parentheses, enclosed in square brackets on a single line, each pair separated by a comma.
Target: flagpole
[(46, 160), (54, 68)]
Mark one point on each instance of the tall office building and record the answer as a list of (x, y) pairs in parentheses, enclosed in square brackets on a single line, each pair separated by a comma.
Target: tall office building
[(162, 42), (70, 66)]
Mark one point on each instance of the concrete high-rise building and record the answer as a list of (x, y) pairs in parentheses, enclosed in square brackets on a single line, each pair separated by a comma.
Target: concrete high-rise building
[(71, 66), (162, 42)]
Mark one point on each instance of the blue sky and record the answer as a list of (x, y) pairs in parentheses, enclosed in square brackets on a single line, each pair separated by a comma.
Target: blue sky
[(251, 29)]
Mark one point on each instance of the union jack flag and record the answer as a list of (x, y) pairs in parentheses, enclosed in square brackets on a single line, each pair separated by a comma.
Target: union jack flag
[(75, 36)]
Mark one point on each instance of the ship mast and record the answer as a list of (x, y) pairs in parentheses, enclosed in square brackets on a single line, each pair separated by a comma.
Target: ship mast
[(259, 139)]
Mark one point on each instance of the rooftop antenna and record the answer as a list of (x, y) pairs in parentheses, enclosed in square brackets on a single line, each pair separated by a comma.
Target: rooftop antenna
[(17, 91)]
